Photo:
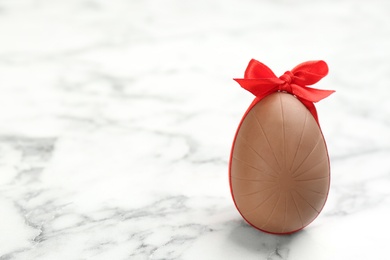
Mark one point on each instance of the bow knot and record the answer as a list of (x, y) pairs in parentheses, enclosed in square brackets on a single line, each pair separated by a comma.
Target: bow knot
[(261, 81), (287, 77)]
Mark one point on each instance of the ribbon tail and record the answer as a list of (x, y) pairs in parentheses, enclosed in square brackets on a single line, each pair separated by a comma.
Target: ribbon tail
[(311, 94), (312, 109)]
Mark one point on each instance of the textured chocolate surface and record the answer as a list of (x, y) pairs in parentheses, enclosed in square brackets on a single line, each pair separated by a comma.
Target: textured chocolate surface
[(280, 167)]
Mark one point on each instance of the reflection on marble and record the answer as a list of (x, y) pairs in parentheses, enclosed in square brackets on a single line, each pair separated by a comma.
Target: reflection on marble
[(117, 119)]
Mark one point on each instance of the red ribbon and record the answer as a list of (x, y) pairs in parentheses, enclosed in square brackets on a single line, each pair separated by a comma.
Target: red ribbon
[(261, 82)]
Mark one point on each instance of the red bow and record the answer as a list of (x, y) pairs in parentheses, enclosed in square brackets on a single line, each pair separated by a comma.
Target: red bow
[(261, 81)]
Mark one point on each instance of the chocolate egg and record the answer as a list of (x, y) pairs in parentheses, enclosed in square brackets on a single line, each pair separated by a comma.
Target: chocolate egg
[(279, 167)]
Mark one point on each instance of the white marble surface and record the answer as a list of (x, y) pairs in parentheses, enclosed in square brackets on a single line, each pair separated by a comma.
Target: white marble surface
[(117, 117)]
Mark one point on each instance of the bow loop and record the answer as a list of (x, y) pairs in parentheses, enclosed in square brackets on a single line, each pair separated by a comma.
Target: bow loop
[(310, 72), (258, 70), (261, 81)]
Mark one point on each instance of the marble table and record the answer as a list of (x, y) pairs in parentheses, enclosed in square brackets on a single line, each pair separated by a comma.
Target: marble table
[(117, 118)]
